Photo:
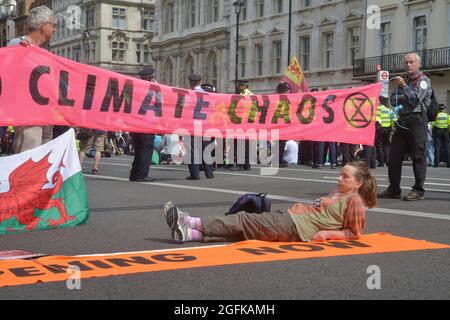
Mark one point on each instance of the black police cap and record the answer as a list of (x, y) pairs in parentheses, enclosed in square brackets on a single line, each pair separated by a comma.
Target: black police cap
[(194, 77), (147, 73), (243, 81), (208, 87), (283, 87)]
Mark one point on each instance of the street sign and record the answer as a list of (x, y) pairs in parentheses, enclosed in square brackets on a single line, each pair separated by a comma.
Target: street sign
[(383, 77), (378, 67)]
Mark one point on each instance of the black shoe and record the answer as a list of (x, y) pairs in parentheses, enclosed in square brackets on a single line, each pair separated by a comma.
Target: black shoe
[(94, 172), (247, 167), (333, 166), (210, 177), (387, 194), (192, 178), (238, 168), (317, 166), (145, 179), (414, 196)]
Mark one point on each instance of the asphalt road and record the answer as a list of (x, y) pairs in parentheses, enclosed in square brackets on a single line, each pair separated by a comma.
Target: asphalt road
[(128, 217)]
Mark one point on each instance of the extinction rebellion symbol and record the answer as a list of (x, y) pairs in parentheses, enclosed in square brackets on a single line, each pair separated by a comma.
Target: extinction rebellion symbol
[(358, 110)]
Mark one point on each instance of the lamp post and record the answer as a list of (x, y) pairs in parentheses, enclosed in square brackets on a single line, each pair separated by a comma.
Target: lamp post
[(289, 33), (237, 9)]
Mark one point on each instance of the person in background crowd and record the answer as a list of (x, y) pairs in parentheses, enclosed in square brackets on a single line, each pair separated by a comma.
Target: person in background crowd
[(385, 119), (283, 88), (143, 143), (198, 144), (290, 152), (441, 136), (243, 88), (41, 26), (97, 141)]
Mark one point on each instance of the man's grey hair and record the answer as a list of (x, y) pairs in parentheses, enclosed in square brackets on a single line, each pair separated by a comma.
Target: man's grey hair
[(416, 55), (38, 16)]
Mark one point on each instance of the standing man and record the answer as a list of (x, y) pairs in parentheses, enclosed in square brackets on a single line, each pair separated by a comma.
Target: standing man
[(143, 144), (41, 26), (197, 143), (440, 136), (413, 94), (385, 118), (244, 91)]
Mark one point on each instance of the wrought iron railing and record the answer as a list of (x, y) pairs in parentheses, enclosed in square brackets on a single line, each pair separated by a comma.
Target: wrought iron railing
[(432, 59)]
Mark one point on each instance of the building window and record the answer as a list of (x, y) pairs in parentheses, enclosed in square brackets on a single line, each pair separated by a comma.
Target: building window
[(242, 60), (279, 6), (191, 13), (168, 73), (260, 8), (63, 27), (118, 51), (385, 38), (86, 55), (90, 17), (213, 11), (188, 69), (93, 52), (138, 53), (146, 54), (119, 18), (420, 33), (212, 69), (244, 10), (353, 45), (304, 52), (168, 17), (277, 54), (148, 20), (259, 59), (306, 3), (328, 50)]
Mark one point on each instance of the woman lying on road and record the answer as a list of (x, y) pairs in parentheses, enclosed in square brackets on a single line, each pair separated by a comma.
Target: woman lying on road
[(338, 216)]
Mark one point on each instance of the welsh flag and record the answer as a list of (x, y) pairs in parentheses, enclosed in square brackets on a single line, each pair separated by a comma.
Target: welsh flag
[(43, 188), (295, 78)]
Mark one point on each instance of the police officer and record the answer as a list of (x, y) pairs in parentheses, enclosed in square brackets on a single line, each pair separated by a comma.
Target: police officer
[(197, 143), (143, 144), (413, 94), (244, 91), (282, 88), (384, 123), (441, 136)]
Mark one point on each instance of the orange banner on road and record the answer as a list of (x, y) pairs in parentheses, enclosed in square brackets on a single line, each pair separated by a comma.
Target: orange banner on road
[(54, 268)]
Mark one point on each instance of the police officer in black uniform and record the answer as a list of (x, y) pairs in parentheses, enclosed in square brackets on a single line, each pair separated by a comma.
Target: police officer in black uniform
[(197, 143), (413, 96), (143, 144)]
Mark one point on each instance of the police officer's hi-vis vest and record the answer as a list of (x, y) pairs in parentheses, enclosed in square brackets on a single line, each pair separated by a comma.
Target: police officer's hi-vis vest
[(442, 121), (384, 116)]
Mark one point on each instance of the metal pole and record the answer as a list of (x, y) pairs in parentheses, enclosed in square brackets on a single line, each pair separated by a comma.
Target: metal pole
[(289, 33), (238, 14)]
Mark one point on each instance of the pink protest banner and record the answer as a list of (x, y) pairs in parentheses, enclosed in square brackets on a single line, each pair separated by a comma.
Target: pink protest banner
[(39, 88)]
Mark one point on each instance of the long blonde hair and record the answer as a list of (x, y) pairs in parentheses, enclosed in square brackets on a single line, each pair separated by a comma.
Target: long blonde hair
[(368, 189)]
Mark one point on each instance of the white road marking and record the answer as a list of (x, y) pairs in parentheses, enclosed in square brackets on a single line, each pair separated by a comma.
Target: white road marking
[(277, 197), (282, 178)]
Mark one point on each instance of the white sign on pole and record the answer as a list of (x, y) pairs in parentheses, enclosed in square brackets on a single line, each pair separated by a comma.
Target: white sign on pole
[(383, 77)]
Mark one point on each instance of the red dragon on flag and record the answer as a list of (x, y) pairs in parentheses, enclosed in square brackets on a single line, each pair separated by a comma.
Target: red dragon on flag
[(26, 194)]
